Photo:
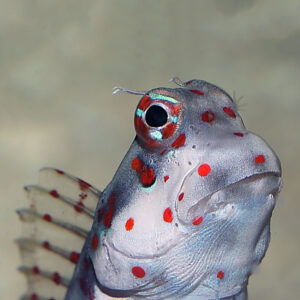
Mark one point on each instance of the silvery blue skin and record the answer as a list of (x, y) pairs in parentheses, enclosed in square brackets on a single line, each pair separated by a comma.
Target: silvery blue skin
[(187, 214)]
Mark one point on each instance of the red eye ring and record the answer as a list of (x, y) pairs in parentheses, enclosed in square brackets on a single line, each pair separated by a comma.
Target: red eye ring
[(157, 118)]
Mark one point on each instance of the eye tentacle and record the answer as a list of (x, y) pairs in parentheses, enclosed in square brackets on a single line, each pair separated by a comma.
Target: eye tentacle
[(118, 89)]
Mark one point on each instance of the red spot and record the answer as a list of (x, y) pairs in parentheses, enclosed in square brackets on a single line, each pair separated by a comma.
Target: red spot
[(95, 242), (129, 224), (166, 178), (79, 207), (163, 152), (138, 272), (168, 215), (60, 172), (56, 278), (197, 92), (136, 164), (46, 245), (35, 270), (179, 142), (144, 103), (238, 134), (111, 201), (54, 193), (83, 185), (180, 197), (100, 214), (259, 159), (168, 130), (204, 170), (108, 218), (147, 176), (47, 217), (229, 111), (197, 220), (74, 257), (34, 297), (109, 214), (85, 287), (208, 116), (189, 82), (176, 109), (83, 196), (86, 264), (220, 275)]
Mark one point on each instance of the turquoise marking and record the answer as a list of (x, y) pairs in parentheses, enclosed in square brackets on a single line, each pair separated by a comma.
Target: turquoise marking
[(174, 119), (155, 96), (156, 135), (139, 112)]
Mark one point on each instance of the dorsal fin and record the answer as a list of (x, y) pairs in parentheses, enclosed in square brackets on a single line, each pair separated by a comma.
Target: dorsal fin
[(56, 224)]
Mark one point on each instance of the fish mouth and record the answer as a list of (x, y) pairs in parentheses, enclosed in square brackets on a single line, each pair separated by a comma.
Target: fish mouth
[(208, 205)]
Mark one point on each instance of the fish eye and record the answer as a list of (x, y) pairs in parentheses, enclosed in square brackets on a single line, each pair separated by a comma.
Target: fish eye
[(156, 116)]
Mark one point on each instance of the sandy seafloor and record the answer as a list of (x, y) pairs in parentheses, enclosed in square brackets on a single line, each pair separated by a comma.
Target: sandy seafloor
[(59, 61)]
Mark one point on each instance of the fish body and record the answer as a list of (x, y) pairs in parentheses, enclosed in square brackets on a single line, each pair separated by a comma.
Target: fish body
[(187, 214)]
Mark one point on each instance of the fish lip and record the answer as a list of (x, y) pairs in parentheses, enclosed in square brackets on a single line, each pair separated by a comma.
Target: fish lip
[(110, 247)]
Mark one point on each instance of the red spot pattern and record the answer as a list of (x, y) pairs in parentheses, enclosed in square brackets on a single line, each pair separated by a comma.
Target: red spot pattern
[(220, 275), (197, 92), (168, 215), (197, 220), (83, 185), (46, 245), (179, 142), (79, 207), (34, 297), (238, 134), (259, 159), (95, 242), (166, 178), (229, 111), (138, 272), (56, 278), (204, 170), (54, 194), (208, 116), (35, 270), (180, 197), (47, 218), (146, 174), (189, 82), (60, 172), (129, 224), (110, 212), (74, 257)]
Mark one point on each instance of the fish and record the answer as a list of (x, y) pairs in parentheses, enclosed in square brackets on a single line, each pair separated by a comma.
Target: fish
[(186, 215)]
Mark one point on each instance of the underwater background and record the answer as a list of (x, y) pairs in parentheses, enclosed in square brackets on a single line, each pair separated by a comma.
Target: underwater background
[(59, 61)]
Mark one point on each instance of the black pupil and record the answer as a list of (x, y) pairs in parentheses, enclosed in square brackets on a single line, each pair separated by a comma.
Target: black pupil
[(156, 116)]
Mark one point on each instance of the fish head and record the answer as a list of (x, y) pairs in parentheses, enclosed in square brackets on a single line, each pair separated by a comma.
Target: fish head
[(190, 169)]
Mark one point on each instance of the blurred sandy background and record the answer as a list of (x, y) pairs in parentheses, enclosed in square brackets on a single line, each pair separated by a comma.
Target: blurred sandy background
[(59, 61)]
